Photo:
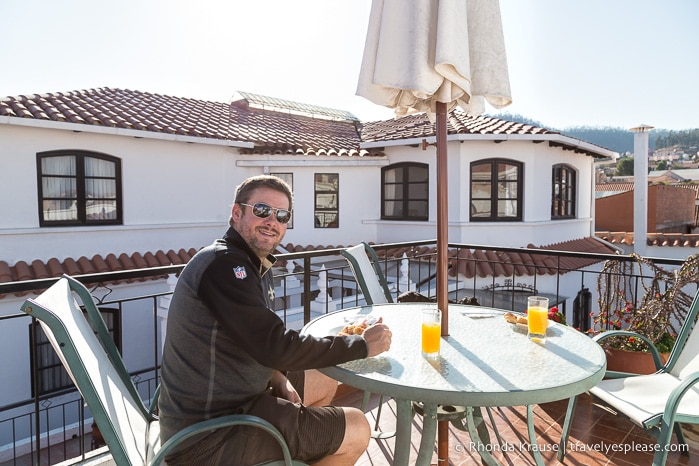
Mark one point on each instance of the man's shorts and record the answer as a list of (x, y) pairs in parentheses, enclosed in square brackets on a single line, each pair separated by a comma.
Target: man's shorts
[(310, 432)]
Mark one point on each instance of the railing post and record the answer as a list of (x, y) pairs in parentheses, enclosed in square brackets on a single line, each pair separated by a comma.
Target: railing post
[(324, 302), (306, 290)]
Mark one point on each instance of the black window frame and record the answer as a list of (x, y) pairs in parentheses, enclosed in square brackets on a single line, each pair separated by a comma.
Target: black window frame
[(493, 196), (80, 186), (319, 211), (406, 196), (47, 371), (289, 178), (563, 192)]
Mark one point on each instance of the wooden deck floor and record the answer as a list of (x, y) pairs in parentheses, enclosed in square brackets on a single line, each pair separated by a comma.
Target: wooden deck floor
[(594, 436)]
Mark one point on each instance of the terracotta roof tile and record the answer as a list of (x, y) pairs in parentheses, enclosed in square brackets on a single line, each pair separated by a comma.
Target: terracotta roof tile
[(100, 264), (22, 271), (5, 272), (495, 263), (503, 264), (40, 269), (55, 268), (654, 239), (71, 267), (272, 131)]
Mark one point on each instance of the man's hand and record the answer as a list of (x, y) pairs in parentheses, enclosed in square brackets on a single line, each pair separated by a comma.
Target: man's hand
[(378, 338), (282, 388)]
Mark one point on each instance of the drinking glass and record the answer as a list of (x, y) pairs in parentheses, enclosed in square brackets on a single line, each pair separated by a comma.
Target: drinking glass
[(537, 318), (431, 332)]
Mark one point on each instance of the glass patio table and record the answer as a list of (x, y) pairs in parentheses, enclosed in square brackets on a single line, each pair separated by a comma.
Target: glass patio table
[(484, 362)]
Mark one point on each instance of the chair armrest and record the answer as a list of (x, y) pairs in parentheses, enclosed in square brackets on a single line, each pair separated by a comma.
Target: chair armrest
[(674, 399), (154, 402), (217, 423), (651, 347)]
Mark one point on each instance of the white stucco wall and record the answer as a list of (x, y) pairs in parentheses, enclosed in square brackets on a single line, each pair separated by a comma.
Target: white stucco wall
[(536, 227)]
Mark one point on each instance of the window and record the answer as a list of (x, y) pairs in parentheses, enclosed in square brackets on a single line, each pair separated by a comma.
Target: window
[(47, 367), (289, 178), (405, 192), (563, 188), (496, 190), (79, 188), (326, 190)]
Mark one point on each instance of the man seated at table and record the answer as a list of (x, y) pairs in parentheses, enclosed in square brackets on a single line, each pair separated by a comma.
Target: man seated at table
[(227, 352)]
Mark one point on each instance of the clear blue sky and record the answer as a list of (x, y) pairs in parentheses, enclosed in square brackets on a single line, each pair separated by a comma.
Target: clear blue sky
[(595, 62)]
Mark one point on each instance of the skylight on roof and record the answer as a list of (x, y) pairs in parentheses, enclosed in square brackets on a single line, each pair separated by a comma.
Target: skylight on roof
[(298, 108)]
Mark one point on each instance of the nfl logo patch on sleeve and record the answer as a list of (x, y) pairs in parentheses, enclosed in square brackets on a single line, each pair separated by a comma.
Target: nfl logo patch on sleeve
[(240, 272)]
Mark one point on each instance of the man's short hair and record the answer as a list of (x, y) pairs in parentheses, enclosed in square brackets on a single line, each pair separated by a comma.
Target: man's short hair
[(244, 191)]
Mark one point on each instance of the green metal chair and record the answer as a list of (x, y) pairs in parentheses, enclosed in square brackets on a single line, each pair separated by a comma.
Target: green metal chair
[(657, 402), (82, 342), (370, 279), (366, 269)]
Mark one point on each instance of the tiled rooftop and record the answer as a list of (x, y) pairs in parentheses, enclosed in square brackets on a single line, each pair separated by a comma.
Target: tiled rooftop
[(273, 126), (458, 122), (272, 130), (654, 239), (501, 264)]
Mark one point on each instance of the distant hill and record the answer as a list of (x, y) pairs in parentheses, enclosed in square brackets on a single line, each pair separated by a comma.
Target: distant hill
[(618, 139)]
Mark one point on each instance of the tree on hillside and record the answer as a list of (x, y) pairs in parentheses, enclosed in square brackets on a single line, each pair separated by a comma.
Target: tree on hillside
[(662, 165), (683, 139), (624, 167)]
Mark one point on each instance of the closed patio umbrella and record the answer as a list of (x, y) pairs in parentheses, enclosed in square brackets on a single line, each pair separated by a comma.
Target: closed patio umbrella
[(431, 56)]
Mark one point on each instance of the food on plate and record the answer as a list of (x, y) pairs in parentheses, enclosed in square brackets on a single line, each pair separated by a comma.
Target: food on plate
[(515, 319), (353, 329)]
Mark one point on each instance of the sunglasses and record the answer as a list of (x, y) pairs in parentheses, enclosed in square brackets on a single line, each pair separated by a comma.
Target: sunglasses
[(262, 210)]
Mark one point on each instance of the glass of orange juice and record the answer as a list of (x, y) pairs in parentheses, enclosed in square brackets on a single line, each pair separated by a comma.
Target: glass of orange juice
[(431, 332), (537, 318)]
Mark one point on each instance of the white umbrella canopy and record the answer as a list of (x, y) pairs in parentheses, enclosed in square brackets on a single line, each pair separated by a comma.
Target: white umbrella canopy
[(431, 56), (420, 52)]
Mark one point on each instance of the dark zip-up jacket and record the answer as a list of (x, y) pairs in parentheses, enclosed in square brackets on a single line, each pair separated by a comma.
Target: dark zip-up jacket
[(223, 341)]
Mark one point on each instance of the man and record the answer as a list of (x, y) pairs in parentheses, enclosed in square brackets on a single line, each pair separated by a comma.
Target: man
[(227, 352)]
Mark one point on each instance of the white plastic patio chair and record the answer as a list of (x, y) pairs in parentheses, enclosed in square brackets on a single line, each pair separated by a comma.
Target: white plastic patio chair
[(82, 342), (657, 402)]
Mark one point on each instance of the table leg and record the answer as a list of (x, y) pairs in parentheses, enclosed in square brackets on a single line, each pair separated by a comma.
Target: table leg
[(429, 433), (565, 433), (536, 453), (476, 426), (404, 420)]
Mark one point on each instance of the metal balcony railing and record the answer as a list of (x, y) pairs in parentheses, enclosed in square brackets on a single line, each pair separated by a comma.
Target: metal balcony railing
[(54, 427)]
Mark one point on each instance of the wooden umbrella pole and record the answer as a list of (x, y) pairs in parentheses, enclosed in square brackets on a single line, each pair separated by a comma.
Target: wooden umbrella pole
[(442, 215), (442, 248)]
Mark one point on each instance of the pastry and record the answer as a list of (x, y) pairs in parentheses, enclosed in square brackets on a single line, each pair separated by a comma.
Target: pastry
[(512, 318), (353, 329)]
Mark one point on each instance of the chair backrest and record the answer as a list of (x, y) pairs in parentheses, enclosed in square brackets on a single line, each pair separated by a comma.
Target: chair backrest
[(366, 268), (684, 358), (93, 362)]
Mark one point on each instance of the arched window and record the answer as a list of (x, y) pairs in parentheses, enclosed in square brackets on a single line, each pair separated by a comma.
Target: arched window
[(79, 188), (405, 191), (563, 189), (496, 190)]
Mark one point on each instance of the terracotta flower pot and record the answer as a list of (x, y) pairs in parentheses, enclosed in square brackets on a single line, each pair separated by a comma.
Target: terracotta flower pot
[(637, 362)]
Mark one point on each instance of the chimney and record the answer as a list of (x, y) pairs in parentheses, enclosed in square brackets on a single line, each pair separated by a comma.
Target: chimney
[(640, 189)]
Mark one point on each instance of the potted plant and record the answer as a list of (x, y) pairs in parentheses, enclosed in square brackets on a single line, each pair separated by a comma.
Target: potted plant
[(638, 333)]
